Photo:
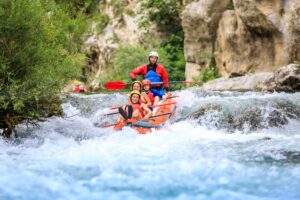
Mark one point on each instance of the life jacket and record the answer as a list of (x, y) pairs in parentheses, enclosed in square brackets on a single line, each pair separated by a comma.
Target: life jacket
[(141, 101), (150, 95), (137, 106), (76, 89), (153, 77)]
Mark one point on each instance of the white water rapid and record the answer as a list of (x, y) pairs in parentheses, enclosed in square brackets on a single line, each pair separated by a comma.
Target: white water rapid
[(225, 145)]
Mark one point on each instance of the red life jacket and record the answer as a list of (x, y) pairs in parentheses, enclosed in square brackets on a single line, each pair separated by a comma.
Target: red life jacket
[(137, 106), (141, 101), (76, 89)]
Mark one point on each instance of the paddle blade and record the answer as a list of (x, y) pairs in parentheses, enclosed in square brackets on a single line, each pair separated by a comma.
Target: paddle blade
[(117, 85)]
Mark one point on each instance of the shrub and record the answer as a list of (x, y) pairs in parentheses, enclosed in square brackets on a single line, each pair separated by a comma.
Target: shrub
[(38, 54)]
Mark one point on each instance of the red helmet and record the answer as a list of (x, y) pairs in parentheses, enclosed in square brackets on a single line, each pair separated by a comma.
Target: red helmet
[(146, 82)]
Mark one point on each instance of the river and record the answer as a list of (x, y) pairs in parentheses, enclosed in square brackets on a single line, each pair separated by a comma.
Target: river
[(253, 155)]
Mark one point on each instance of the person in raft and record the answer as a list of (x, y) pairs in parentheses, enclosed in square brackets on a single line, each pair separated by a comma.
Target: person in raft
[(152, 94), (137, 85), (154, 72), (134, 110)]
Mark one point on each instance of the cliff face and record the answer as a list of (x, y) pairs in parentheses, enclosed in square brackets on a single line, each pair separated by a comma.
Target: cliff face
[(241, 35), (121, 26)]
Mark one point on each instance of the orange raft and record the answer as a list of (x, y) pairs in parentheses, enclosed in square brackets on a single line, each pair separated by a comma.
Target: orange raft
[(161, 115)]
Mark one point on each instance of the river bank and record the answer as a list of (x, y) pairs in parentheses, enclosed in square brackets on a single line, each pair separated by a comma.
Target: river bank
[(285, 79)]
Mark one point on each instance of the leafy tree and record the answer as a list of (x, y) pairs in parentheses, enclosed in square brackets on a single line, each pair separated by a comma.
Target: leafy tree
[(78, 7), (38, 54), (165, 13)]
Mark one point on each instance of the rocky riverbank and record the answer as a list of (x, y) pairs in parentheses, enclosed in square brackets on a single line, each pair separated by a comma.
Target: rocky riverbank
[(285, 79)]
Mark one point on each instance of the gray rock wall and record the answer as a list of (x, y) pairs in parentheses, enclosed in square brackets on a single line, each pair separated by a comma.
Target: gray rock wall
[(241, 35)]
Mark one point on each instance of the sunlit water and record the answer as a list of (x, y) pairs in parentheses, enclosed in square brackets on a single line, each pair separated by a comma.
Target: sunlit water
[(71, 158)]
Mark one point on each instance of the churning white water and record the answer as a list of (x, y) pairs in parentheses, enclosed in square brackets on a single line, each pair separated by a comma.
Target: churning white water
[(225, 145)]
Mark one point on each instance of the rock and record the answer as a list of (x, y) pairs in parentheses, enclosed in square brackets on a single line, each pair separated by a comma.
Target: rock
[(247, 41), (286, 79), (191, 70), (291, 34), (265, 138), (243, 83), (200, 21), (246, 116), (241, 35), (204, 109)]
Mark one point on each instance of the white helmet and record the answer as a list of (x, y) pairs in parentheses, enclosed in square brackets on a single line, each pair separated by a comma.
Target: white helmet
[(153, 53)]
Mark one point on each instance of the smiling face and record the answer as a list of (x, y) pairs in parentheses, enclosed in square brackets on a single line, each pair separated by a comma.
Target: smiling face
[(146, 87), (153, 59), (135, 98), (136, 86)]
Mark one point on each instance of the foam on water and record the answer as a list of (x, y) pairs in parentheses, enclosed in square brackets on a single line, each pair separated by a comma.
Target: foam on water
[(71, 158)]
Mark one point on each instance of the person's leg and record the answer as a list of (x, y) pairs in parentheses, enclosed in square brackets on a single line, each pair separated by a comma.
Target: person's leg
[(123, 113), (156, 100), (129, 111)]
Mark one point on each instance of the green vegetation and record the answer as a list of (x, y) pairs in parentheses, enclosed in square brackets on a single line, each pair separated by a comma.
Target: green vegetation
[(210, 73), (38, 55), (230, 6), (84, 13), (101, 22), (128, 57), (75, 8), (118, 8), (167, 19), (164, 13)]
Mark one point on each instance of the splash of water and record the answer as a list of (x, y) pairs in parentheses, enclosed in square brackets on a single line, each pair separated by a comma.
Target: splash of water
[(194, 158)]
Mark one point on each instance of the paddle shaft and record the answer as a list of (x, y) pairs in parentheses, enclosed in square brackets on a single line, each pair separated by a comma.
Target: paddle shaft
[(117, 85), (108, 125), (161, 115), (114, 124), (113, 108), (172, 82)]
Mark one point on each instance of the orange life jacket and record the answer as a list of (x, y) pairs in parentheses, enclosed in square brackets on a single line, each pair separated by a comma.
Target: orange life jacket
[(150, 95)]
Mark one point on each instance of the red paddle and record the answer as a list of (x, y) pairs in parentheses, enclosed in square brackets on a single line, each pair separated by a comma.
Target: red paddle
[(118, 85)]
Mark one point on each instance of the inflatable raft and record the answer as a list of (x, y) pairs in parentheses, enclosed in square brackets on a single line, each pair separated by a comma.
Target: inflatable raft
[(161, 116)]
